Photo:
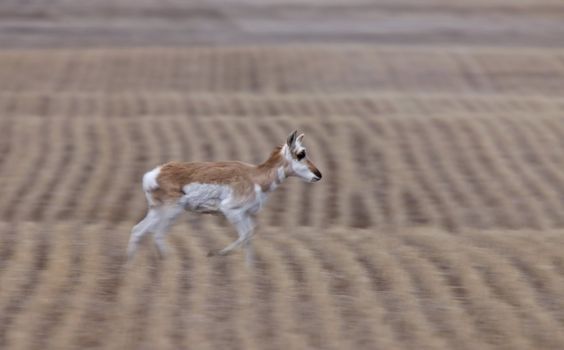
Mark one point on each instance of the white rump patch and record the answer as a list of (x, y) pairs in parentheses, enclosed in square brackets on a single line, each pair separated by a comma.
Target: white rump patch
[(150, 180)]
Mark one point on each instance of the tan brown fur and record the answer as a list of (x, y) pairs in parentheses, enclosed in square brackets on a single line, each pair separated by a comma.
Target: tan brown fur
[(266, 173), (242, 177), (274, 160)]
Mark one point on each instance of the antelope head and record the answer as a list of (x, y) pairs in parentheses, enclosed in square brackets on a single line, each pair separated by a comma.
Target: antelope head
[(298, 162)]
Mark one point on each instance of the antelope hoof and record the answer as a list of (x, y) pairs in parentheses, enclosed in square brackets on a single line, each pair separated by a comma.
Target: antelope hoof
[(220, 252), (161, 254), (213, 252)]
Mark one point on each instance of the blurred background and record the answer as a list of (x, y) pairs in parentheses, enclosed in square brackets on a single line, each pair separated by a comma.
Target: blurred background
[(437, 125)]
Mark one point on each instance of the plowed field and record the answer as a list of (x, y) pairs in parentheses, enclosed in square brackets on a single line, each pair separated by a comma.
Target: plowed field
[(439, 222)]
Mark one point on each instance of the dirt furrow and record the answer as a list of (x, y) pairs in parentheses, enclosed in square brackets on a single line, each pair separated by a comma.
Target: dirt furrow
[(506, 283), (100, 302), (360, 146), (23, 276), (114, 148), (62, 171), (81, 281), (510, 150), (486, 187), (288, 332), (414, 163), (315, 312), (388, 175), (25, 172), (535, 266), (526, 209), (446, 161), (442, 307), (497, 328), (395, 290), (348, 285), (6, 143), (90, 158), (34, 311), (533, 152)]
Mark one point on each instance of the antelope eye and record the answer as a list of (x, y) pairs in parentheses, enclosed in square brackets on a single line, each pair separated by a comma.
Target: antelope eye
[(301, 155)]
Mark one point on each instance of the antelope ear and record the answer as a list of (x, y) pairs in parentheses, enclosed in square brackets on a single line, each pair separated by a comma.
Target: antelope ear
[(292, 138), (299, 139)]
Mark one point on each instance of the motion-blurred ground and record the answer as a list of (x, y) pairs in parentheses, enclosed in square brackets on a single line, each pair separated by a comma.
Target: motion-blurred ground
[(438, 126)]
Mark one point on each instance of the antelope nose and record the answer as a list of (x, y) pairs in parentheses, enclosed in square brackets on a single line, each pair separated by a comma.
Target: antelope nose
[(318, 175)]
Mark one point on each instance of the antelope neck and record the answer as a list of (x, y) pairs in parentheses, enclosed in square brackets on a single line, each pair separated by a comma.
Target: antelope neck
[(271, 173)]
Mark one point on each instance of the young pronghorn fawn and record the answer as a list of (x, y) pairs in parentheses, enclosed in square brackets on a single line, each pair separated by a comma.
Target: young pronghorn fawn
[(235, 189)]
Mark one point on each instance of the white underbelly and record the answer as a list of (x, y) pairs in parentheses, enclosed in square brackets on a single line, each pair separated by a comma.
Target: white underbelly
[(205, 198)]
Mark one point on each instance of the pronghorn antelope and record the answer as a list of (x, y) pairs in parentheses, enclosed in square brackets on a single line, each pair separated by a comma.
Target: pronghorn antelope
[(234, 189)]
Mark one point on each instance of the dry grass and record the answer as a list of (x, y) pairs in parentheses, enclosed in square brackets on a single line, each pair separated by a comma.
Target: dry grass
[(438, 224), (340, 287)]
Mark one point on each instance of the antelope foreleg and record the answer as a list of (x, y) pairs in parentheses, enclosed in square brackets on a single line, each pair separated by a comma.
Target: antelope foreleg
[(244, 228)]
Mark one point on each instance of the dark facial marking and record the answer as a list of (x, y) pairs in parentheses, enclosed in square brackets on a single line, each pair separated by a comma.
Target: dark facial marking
[(317, 173), (313, 169), (301, 155)]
